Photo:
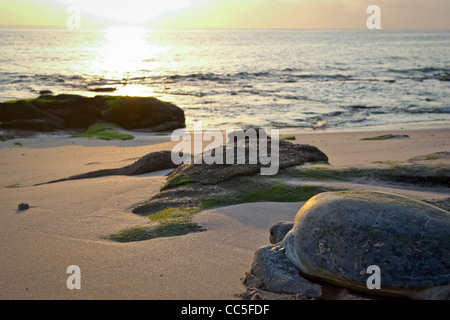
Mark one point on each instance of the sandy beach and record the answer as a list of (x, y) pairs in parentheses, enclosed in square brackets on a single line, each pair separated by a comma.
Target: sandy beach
[(99, 199), (69, 222)]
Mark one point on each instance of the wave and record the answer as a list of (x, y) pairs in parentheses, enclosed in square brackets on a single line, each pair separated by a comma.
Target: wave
[(415, 70), (255, 75), (287, 75), (426, 73), (349, 114)]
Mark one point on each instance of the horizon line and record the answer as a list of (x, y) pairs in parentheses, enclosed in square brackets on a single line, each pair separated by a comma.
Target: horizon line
[(214, 28)]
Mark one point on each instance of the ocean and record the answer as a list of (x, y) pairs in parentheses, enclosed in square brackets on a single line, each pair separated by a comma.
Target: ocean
[(303, 79)]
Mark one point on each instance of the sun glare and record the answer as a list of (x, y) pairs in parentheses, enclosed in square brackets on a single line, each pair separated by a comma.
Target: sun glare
[(126, 50), (130, 11)]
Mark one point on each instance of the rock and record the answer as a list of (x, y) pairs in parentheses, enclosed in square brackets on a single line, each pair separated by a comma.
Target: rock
[(24, 115), (4, 136), (386, 137), (44, 92), (290, 155), (151, 162), (189, 184), (137, 112), (23, 206), (106, 89), (66, 111), (431, 170), (41, 125)]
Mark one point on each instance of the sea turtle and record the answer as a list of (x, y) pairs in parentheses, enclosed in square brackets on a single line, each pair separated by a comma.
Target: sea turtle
[(337, 236)]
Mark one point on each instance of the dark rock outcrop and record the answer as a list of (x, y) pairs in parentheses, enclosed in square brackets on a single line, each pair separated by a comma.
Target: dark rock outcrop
[(151, 162), (290, 155), (189, 183), (66, 111), (4, 135)]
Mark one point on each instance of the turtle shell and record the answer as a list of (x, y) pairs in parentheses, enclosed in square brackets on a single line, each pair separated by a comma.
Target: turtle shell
[(337, 235)]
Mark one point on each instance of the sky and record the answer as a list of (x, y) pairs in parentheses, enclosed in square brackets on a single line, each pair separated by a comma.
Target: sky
[(309, 14)]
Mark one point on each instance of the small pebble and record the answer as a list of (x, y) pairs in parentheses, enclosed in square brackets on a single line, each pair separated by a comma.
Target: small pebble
[(24, 206)]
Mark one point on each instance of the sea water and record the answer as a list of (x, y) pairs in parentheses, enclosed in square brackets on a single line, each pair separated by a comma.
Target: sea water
[(242, 78)]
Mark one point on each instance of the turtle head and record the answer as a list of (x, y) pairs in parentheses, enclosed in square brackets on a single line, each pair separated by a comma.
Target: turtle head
[(279, 230)]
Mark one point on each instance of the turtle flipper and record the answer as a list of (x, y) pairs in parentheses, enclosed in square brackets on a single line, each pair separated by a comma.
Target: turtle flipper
[(278, 274)]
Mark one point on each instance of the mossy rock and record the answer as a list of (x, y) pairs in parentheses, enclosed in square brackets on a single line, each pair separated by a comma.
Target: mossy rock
[(290, 155), (67, 111), (5, 136), (426, 171), (221, 181)]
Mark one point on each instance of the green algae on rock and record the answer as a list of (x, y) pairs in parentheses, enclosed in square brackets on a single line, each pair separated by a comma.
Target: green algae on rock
[(193, 188), (191, 180), (173, 209), (169, 223), (428, 170), (386, 137), (104, 131)]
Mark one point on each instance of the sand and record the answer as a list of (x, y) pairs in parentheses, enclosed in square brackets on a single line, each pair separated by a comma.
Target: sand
[(68, 222)]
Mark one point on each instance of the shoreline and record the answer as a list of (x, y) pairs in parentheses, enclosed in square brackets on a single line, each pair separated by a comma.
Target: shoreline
[(68, 222), (425, 125), (44, 139)]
